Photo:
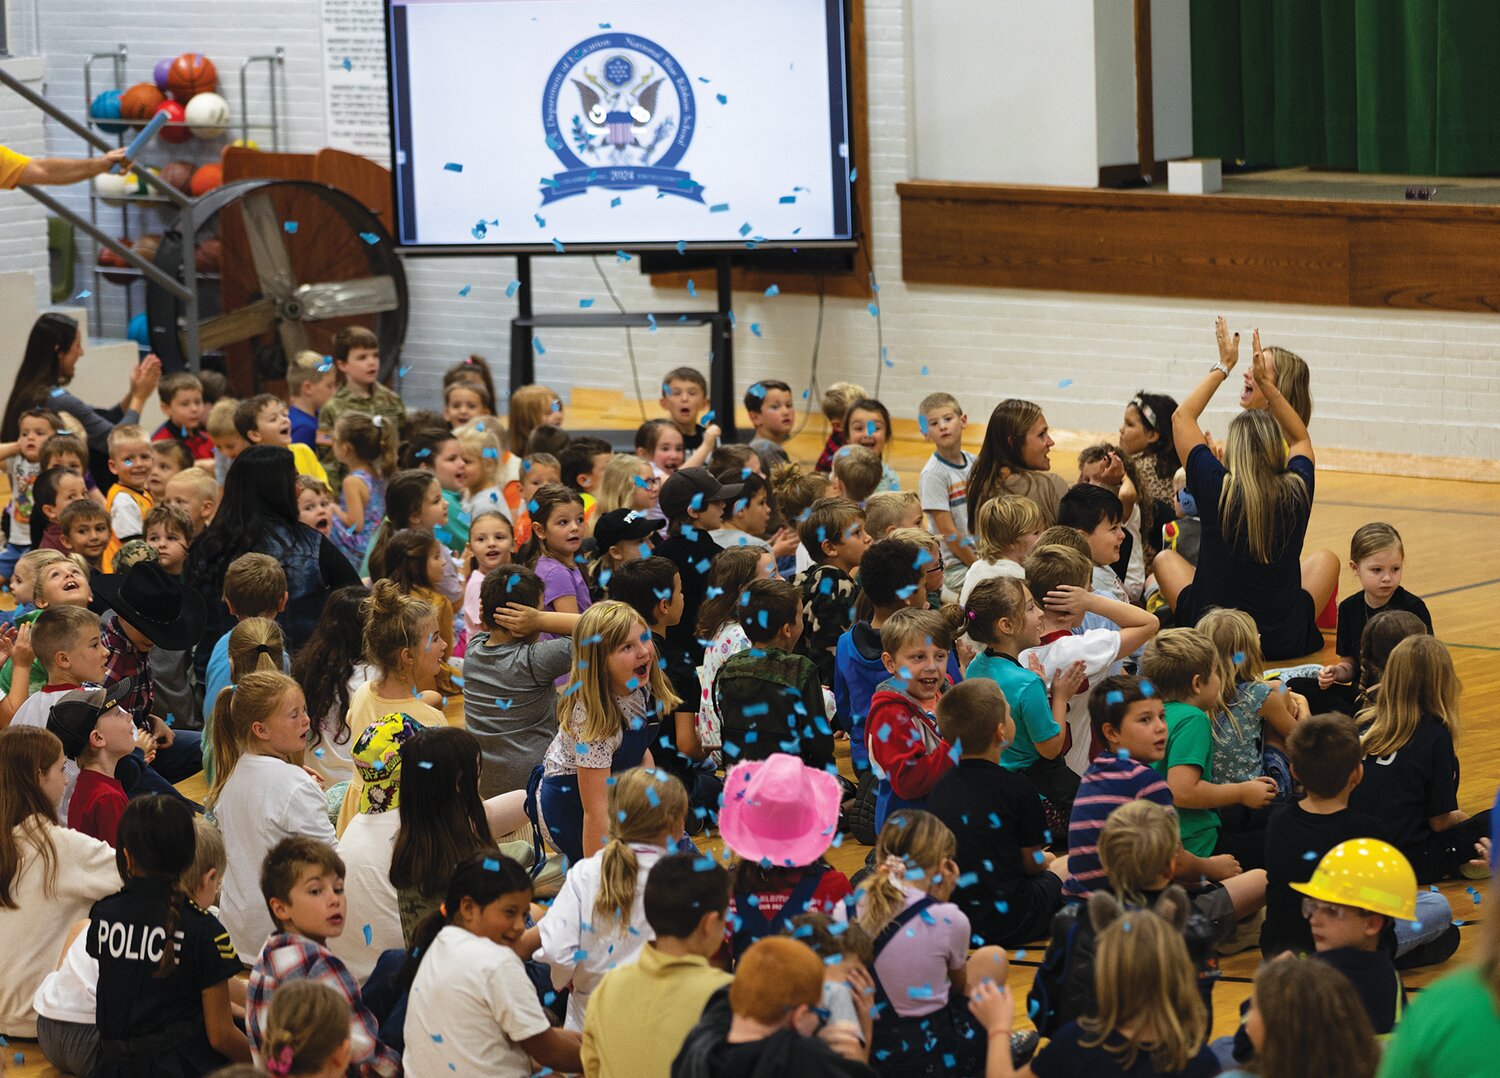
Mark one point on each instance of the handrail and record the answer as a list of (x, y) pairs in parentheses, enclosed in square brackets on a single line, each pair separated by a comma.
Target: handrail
[(34, 98), (185, 290)]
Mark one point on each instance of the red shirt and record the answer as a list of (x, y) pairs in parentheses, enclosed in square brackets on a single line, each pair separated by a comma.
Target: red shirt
[(98, 802), (198, 442)]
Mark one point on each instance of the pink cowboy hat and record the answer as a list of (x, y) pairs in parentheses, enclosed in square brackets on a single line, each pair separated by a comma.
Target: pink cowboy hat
[(779, 810)]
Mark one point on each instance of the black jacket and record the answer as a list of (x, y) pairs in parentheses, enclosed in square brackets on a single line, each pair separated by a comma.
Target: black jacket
[(707, 1052)]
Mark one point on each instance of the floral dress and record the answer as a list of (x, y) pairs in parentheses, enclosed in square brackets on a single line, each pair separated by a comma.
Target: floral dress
[(1237, 735), (354, 543)]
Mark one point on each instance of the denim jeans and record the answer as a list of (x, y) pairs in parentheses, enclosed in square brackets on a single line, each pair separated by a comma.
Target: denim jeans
[(1434, 915)]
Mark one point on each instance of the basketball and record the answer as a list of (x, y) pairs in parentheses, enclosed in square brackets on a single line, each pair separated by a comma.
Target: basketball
[(206, 179), (140, 101), (178, 173), (210, 255), (159, 73), (175, 115), (106, 106), (191, 73), (207, 115), (108, 258), (147, 245)]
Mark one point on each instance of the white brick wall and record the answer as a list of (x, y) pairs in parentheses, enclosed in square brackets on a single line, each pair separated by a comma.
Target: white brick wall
[(23, 222), (1383, 380)]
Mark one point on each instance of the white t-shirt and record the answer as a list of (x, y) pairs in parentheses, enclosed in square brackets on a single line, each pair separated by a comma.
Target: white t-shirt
[(1135, 568), (22, 473), (35, 711), (729, 640), (372, 923), (471, 1006), (943, 487), (32, 934), (983, 570), (582, 947), (1097, 649), (70, 992), (485, 499), (264, 801), (125, 517)]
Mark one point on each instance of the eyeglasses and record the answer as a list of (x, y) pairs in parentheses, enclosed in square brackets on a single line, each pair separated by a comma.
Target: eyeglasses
[(1331, 910)]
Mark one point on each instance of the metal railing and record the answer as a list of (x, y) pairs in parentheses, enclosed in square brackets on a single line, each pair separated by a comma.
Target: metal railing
[(186, 290)]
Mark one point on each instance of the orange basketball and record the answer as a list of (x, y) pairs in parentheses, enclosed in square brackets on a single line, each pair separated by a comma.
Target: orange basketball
[(178, 173), (140, 101), (206, 179), (191, 73)]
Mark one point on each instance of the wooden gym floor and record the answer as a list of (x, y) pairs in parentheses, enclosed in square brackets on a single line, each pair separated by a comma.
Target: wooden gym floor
[(1443, 522)]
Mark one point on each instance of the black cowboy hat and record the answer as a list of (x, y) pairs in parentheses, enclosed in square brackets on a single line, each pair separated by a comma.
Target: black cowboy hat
[(155, 604)]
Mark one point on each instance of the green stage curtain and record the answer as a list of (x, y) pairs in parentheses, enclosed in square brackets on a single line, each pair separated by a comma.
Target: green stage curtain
[(1402, 86)]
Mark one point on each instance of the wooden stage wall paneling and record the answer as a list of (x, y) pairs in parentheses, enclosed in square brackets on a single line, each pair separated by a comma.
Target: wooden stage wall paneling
[(1416, 255)]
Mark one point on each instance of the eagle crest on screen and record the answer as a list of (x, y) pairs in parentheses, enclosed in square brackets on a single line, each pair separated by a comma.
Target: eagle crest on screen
[(618, 111), (616, 118)]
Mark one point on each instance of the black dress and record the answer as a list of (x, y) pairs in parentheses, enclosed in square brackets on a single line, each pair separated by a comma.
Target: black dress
[(1228, 576)]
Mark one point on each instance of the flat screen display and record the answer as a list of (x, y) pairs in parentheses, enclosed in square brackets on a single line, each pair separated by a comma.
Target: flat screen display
[(649, 124)]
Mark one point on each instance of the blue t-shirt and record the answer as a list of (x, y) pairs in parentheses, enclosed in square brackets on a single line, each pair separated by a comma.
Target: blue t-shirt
[(1030, 709), (304, 426)]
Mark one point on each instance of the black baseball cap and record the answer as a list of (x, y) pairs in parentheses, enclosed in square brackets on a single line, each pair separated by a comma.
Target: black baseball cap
[(693, 488), (75, 712), (618, 525)]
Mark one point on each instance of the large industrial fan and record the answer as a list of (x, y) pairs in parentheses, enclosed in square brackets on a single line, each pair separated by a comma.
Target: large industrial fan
[(297, 262)]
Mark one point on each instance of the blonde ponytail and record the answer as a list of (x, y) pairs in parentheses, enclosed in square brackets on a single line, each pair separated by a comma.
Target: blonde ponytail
[(644, 803), (912, 842), (254, 698)]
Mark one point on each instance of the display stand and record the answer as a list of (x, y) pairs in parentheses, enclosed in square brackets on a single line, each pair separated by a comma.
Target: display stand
[(719, 321)]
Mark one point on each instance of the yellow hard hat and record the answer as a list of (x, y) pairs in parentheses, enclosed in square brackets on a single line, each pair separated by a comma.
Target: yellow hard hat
[(1367, 874)]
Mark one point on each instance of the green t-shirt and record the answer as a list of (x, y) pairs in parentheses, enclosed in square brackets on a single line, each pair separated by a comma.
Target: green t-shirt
[(1190, 741), (1451, 1030), (38, 671), (1030, 710)]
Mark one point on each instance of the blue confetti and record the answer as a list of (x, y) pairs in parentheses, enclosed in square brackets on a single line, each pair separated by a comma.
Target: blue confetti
[(1065, 383), (692, 289), (491, 865), (745, 229), (541, 222), (372, 238), (290, 227), (874, 311), (585, 303), (453, 166), (557, 245), (651, 322), (510, 289), (348, 64), (404, 371), (774, 290), (480, 229), (723, 98), (85, 294), (787, 200), (682, 247), (924, 372), (369, 935), (718, 207), (853, 174), (536, 342), (465, 290), (755, 328)]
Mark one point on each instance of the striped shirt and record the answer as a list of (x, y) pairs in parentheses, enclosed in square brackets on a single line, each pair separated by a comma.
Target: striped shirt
[(1108, 783)]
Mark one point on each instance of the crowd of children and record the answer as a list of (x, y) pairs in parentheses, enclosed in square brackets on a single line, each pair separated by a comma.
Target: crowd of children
[(1054, 739)]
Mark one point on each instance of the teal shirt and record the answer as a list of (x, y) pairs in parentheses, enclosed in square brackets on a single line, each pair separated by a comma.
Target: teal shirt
[(1190, 742), (458, 522), (1030, 710)]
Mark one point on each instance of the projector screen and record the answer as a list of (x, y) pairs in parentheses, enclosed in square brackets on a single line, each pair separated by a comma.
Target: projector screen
[(650, 124)]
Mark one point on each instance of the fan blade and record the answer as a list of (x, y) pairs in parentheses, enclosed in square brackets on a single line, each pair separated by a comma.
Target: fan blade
[(293, 338), (336, 299), (225, 329), (268, 253)]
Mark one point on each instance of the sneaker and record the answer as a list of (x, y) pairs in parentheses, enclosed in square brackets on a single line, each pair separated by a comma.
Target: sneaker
[(1432, 952), (1023, 1046), (1245, 934)]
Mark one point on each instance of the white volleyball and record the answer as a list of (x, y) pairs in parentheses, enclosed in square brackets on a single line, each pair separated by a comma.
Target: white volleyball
[(112, 186), (207, 115)]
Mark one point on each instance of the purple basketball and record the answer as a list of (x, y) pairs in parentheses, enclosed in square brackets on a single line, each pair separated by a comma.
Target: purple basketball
[(159, 73)]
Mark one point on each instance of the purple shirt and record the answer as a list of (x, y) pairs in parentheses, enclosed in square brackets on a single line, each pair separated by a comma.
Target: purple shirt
[(913, 968), (561, 582)]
